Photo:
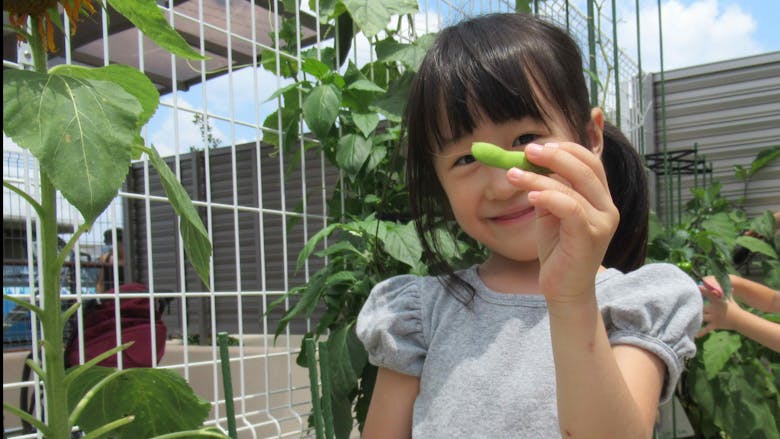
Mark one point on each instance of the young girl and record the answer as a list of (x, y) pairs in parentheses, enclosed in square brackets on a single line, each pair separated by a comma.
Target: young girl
[(547, 337)]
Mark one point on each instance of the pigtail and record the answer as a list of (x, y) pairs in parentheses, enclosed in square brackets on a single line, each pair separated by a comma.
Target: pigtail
[(628, 185)]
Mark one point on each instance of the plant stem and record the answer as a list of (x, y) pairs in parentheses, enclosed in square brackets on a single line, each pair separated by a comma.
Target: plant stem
[(51, 321), (55, 391), (40, 60)]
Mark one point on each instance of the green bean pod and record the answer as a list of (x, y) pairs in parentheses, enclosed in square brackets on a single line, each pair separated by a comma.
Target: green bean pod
[(498, 157)]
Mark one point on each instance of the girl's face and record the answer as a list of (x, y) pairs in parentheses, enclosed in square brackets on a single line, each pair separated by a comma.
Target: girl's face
[(486, 206)]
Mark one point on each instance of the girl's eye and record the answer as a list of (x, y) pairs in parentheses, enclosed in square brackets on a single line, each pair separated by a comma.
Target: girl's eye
[(465, 160), (524, 139)]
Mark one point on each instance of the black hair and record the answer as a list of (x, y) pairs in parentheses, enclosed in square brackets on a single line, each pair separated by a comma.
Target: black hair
[(501, 67), (107, 238), (627, 183)]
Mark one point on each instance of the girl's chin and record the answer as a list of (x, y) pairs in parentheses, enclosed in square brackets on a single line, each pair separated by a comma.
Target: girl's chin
[(507, 257)]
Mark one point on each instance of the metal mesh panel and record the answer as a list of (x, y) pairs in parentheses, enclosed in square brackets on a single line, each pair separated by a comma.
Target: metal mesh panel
[(259, 206)]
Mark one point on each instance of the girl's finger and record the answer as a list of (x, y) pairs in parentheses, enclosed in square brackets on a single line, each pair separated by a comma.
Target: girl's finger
[(704, 331), (574, 217), (578, 167), (532, 182)]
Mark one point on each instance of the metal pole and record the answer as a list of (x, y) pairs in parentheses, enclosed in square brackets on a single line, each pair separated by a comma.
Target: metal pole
[(641, 84), (616, 56), (327, 392), (695, 166), (679, 195), (227, 384), (594, 86), (311, 363), (667, 165)]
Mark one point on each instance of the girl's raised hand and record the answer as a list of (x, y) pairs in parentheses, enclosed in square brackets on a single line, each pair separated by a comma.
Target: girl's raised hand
[(575, 217)]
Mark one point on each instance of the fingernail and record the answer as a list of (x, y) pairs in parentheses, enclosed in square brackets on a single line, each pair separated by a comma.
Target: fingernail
[(533, 147), (514, 173)]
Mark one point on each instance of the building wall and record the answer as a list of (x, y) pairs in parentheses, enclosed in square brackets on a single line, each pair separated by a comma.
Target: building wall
[(257, 228), (731, 111)]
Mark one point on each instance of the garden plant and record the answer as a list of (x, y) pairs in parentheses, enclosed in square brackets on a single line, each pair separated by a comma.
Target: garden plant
[(83, 125), (730, 389)]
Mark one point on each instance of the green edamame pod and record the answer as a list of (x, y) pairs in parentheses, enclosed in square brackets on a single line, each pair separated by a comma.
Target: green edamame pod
[(498, 157)]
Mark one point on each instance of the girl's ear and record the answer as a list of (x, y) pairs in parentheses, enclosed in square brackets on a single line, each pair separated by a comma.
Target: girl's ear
[(596, 131)]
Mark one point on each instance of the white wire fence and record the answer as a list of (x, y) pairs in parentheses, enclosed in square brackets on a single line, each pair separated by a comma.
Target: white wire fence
[(259, 206)]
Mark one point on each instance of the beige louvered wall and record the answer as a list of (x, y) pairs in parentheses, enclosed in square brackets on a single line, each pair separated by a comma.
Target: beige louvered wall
[(731, 109)]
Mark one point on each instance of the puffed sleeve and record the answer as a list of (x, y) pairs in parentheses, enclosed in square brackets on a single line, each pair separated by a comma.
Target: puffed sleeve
[(390, 326), (658, 308)]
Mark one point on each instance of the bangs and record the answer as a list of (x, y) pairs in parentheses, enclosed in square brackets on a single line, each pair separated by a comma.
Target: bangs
[(499, 69)]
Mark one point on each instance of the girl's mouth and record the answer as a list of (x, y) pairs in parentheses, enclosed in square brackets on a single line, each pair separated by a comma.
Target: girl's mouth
[(515, 216)]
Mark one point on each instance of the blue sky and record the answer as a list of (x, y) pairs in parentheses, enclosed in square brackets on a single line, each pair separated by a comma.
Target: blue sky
[(767, 15), (699, 31)]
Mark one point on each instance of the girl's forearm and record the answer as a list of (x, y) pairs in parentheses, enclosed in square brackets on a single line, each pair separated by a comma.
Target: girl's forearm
[(756, 295), (757, 329), (593, 397)]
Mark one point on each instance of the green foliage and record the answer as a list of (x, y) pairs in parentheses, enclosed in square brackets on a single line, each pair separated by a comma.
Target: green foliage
[(83, 125), (354, 114), (159, 397), (78, 123), (146, 16), (731, 386)]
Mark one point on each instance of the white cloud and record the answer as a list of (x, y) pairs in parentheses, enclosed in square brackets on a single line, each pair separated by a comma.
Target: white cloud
[(701, 32), (168, 121)]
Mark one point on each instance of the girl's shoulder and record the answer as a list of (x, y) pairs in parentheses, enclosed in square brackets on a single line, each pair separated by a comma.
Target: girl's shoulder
[(657, 278), (425, 290), (657, 307), (391, 323), (660, 290)]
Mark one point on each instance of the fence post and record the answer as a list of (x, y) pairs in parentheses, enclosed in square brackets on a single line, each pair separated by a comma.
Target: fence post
[(227, 384)]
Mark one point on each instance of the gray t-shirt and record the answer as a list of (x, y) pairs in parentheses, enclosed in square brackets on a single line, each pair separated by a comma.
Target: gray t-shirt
[(487, 370)]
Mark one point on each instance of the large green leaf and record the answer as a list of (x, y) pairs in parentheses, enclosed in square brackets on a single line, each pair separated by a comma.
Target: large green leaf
[(378, 153), (764, 157), (410, 55), (321, 107), (365, 121), (289, 128), (393, 103), (347, 359), (722, 226), (756, 245), (718, 348), (353, 151), (401, 242), (80, 130), (372, 16), (130, 79), (193, 232), (147, 16), (160, 400)]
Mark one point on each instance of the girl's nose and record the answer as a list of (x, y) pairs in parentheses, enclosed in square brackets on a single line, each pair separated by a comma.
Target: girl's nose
[(497, 187)]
